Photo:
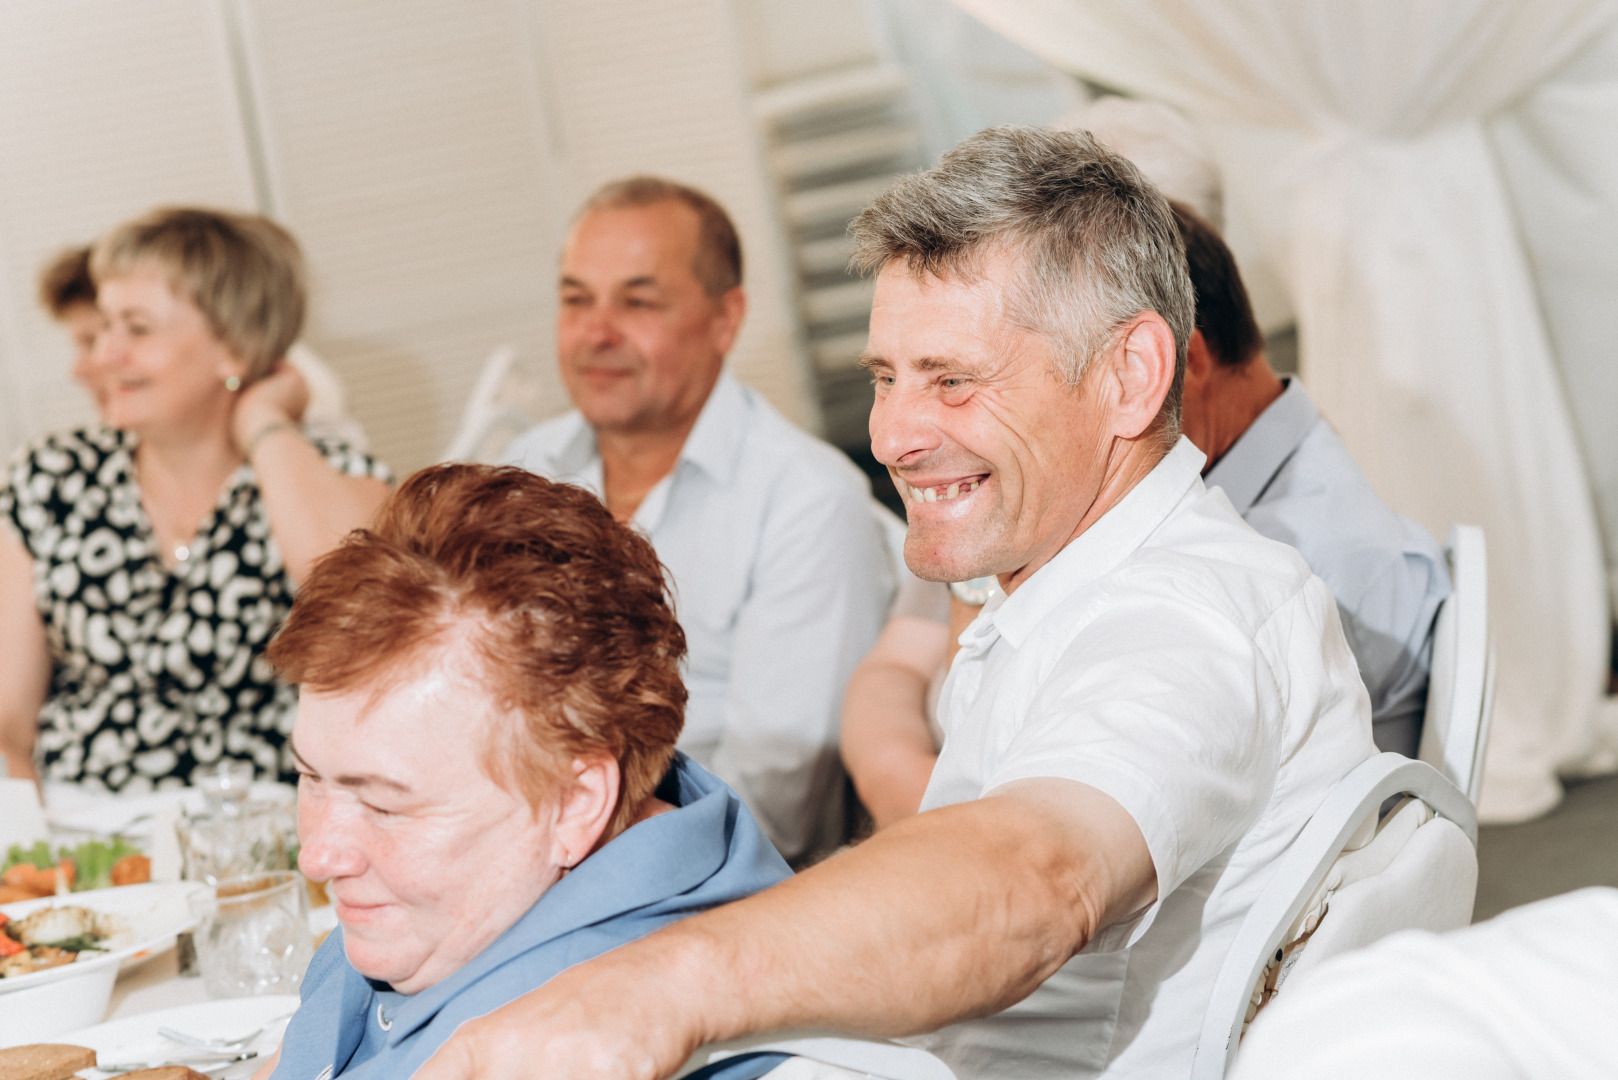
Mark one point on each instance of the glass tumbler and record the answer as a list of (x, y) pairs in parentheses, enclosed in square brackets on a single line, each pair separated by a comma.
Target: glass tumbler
[(252, 935), (236, 840)]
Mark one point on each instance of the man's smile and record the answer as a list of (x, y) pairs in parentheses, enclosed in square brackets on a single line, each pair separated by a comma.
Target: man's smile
[(935, 489)]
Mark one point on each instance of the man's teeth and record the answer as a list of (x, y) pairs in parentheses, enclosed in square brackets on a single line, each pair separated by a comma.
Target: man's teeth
[(934, 494)]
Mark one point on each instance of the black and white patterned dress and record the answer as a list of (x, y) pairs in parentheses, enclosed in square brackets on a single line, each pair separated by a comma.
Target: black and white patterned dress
[(153, 671)]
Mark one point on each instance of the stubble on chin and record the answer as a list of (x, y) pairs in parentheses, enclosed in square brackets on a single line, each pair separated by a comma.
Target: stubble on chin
[(935, 551)]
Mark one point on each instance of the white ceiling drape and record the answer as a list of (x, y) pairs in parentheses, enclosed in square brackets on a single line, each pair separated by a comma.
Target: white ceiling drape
[(1433, 181)]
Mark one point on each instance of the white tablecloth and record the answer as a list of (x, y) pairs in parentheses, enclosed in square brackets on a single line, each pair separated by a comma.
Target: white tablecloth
[(156, 984)]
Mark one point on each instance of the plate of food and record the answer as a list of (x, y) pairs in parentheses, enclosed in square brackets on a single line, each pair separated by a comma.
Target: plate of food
[(200, 1036), (60, 955), (29, 873)]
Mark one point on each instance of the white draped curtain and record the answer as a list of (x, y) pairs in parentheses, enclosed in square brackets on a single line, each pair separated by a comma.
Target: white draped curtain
[(1436, 183)]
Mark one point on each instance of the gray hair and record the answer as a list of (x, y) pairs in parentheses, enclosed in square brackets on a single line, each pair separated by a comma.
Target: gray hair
[(1098, 242)]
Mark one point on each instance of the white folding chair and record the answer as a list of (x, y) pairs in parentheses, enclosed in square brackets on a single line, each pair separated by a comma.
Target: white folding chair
[(1330, 893), (1460, 690), (493, 416), (824, 1057)]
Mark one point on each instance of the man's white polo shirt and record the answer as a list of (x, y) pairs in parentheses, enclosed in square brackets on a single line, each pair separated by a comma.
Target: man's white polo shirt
[(1196, 672)]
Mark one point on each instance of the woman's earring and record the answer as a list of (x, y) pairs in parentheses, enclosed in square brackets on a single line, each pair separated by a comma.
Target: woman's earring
[(233, 383)]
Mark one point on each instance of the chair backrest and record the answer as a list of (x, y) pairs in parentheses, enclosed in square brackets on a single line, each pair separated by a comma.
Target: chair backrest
[(869, 1058), (1351, 804), (1460, 689), (494, 414)]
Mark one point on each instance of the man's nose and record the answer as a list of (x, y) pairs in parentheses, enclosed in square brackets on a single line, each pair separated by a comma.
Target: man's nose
[(902, 428), (601, 328)]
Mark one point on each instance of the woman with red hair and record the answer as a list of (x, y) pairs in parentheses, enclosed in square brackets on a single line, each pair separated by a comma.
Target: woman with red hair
[(490, 696)]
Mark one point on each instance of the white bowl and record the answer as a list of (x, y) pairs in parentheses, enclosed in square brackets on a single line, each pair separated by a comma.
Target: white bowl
[(77, 998), (59, 999)]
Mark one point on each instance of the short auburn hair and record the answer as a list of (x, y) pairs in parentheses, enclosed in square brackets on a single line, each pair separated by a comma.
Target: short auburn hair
[(717, 261), (1224, 312), (567, 611), (243, 272), (65, 281)]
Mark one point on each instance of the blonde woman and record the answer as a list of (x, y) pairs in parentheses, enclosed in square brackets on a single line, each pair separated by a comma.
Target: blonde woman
[(146, 561)]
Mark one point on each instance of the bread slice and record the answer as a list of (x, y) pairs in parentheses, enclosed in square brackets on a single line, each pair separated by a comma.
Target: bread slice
[(167, 1072), (44, 1061)]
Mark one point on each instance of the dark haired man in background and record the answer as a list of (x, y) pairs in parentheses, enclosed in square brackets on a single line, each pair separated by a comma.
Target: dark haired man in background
[(1288, 474)]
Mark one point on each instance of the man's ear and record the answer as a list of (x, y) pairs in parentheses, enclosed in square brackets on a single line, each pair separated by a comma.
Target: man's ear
[(1143, 371), (585, 809), (1199, 363), (731, 308)]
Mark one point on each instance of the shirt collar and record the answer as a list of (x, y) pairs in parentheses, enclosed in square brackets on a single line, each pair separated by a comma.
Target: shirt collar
[(1258, 454), (714, 446), (664, 856), (1100, 548), (578, 451), (715, 442)]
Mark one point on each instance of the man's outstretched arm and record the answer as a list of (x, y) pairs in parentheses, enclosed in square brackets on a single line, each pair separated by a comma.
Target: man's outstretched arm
[(948, 915)]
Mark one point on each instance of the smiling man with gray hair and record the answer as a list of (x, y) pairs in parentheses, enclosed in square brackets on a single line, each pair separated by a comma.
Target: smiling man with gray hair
[(1134, 731)]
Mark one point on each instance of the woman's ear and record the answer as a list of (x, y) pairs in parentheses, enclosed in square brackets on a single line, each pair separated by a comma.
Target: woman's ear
[(232, 371), (585, 809)]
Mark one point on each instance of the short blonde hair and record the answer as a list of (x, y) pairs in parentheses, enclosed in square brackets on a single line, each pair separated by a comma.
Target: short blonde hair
[(242, 271)]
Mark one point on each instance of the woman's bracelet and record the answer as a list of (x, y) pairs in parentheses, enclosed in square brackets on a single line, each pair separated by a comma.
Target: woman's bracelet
[(265, 432)]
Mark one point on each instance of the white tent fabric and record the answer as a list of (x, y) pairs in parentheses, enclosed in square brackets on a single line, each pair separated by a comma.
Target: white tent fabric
[(1435, 183)]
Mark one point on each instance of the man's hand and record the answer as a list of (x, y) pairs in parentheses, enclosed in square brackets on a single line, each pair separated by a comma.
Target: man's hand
[(575, 1027), (951, 914)]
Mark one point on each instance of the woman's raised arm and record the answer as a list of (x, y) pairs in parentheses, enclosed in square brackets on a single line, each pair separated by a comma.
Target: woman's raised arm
[(311, 506), (25, 662)]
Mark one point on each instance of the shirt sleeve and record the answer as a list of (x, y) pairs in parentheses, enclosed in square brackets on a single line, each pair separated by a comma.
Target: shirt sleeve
[(819, 592), (1166, 705), (1388, 602)]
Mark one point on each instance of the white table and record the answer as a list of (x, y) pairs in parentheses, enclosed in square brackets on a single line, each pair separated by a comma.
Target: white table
[(156, 984)]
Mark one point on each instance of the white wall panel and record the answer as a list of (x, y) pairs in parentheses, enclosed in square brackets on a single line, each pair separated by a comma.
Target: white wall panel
[(105, 111), (406, 147), (427, 153), (660, 86)]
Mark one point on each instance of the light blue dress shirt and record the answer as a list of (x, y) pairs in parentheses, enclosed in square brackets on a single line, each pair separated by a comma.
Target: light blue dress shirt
[(781, 582), (707, 852), (1293, 480)]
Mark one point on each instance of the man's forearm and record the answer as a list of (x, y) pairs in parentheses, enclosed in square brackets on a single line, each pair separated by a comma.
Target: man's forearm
[(928, 923)]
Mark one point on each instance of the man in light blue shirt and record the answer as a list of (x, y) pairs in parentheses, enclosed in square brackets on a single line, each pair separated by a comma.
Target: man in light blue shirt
[(1288, 474), (778, 563)]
